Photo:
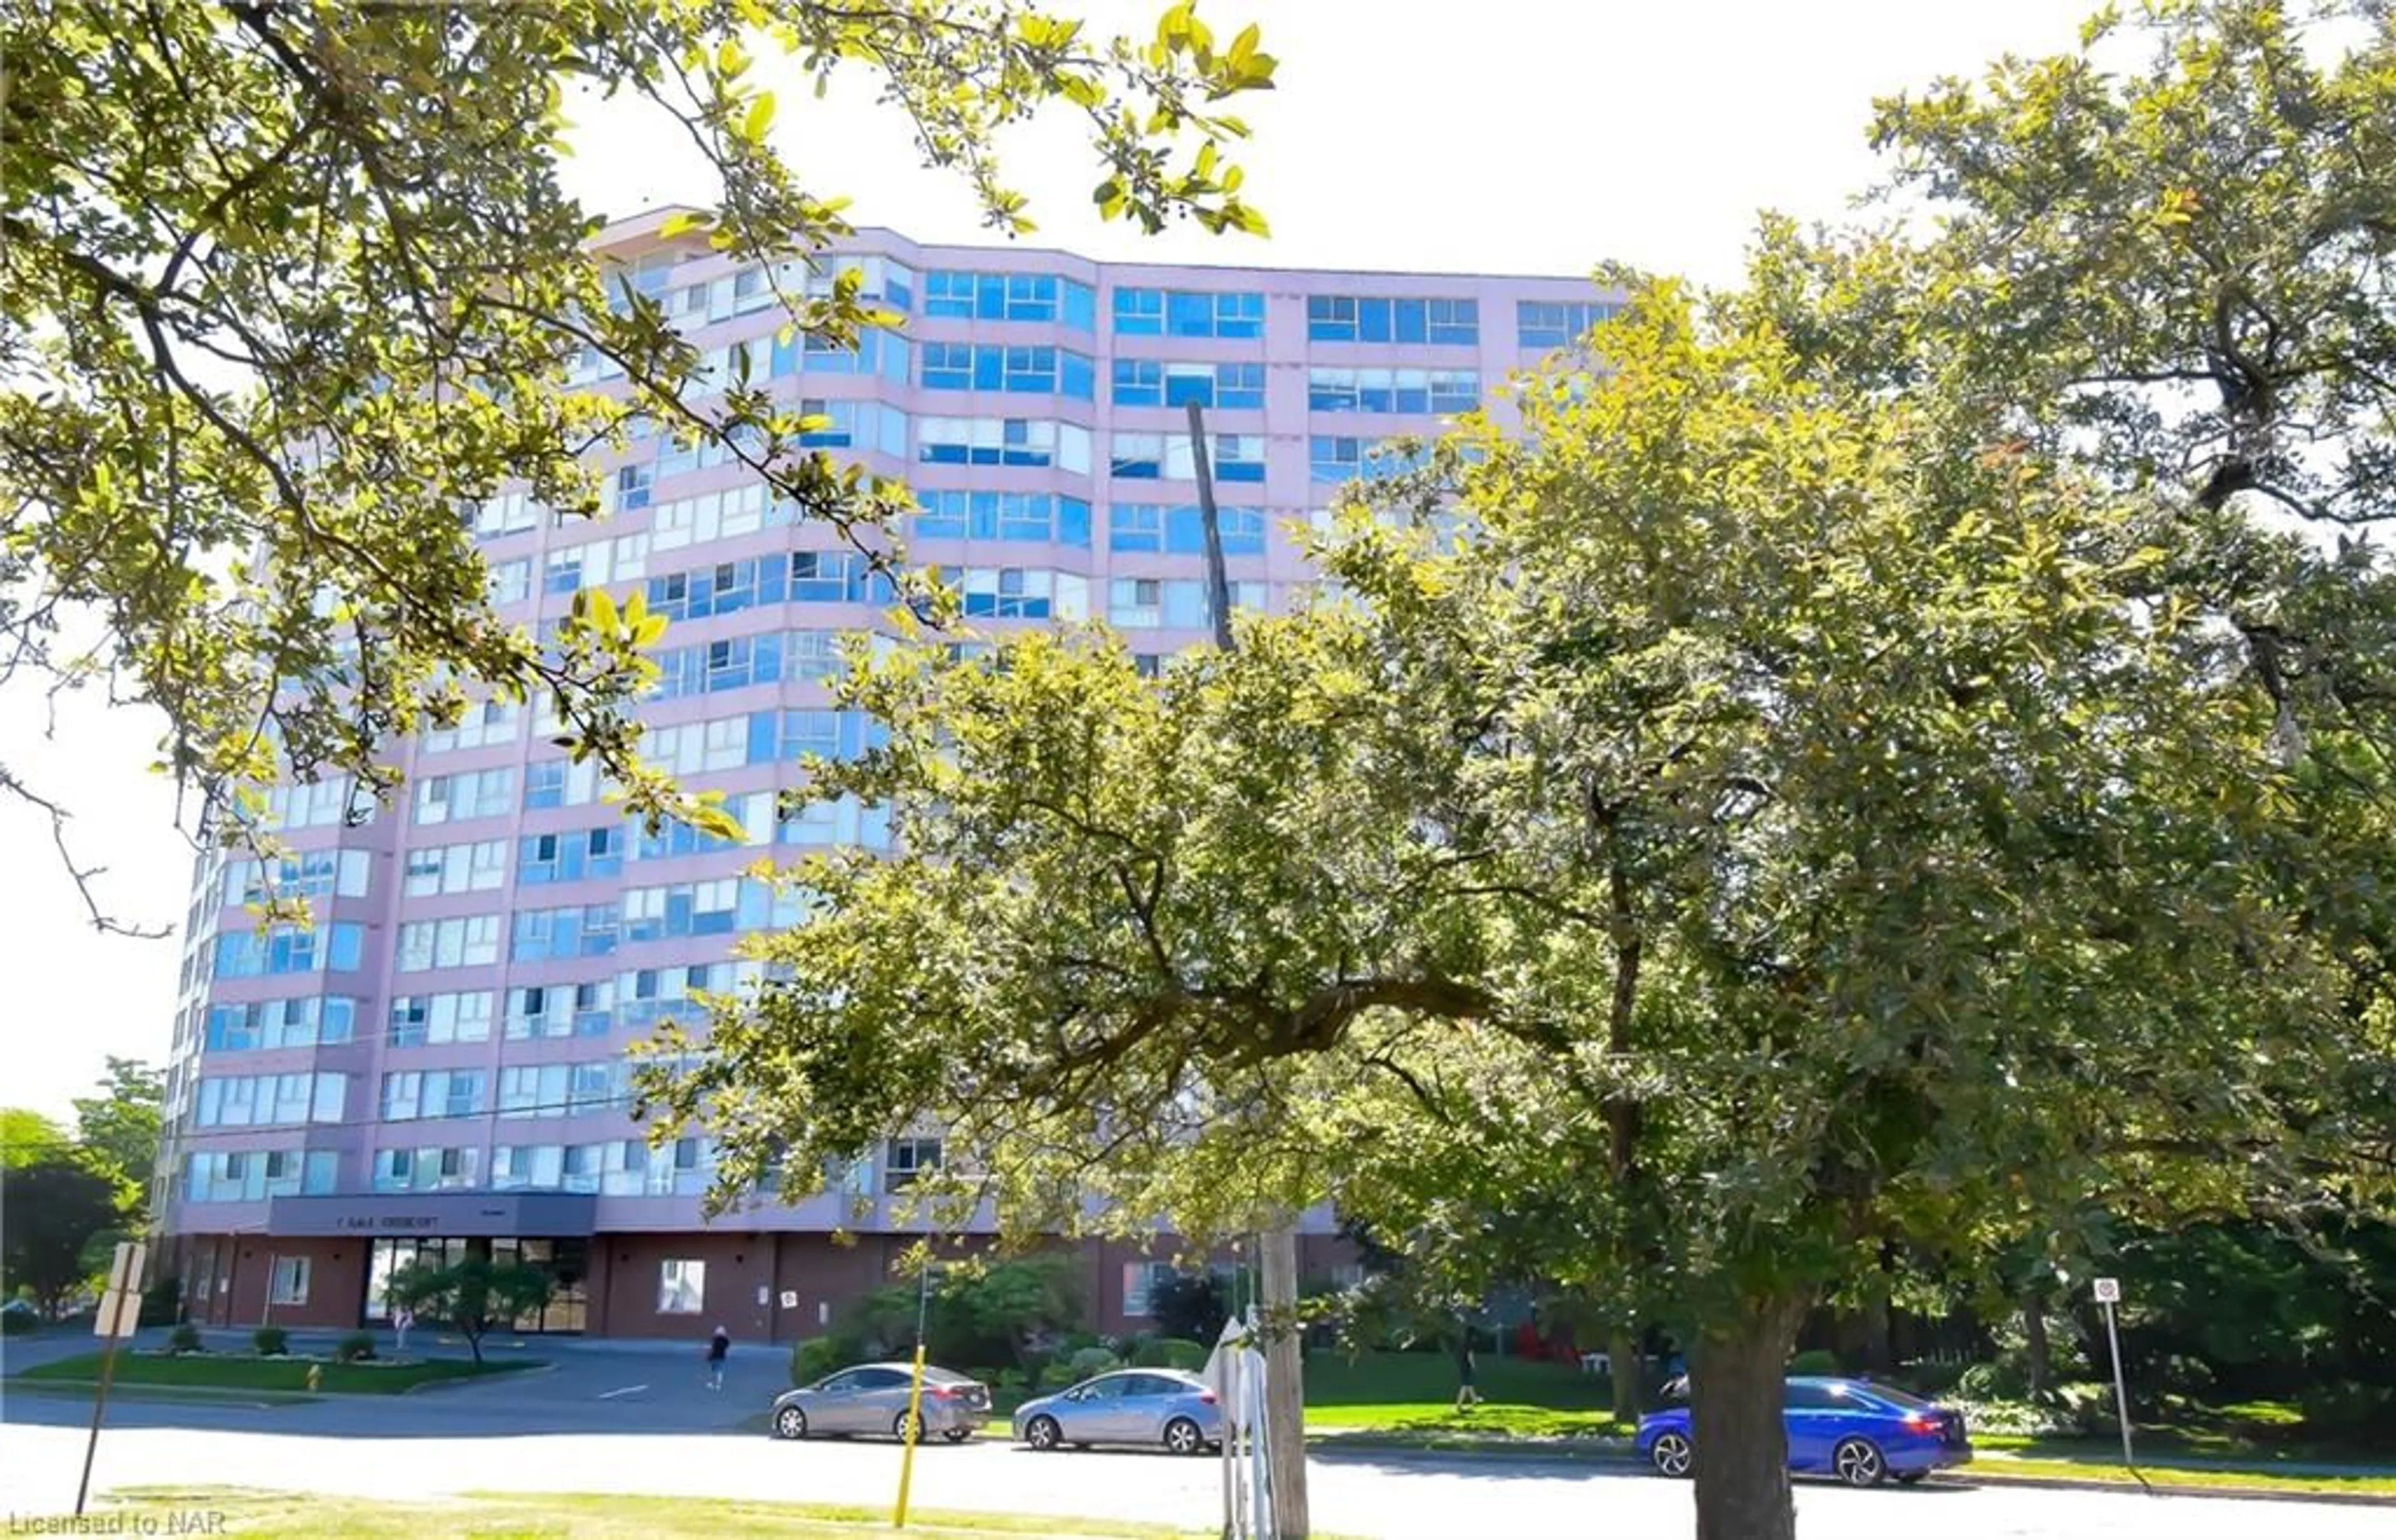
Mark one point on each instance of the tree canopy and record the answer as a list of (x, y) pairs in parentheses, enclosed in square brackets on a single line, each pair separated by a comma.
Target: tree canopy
[(1827, 788), (284, 288), (117, 1131)]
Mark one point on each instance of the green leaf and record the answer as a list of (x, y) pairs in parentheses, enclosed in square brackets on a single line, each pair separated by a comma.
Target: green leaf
[(760, 117)]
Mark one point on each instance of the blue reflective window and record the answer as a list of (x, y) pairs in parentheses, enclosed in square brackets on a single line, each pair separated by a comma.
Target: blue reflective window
[(1139, 312), (1138, 382), (1353, 318)]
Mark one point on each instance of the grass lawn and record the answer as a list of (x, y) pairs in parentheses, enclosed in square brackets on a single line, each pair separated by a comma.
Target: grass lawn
[(291, 1516), (2250, 1435), (2256, 1478), (241, 1371), (173, 1395), (1415, 1393)]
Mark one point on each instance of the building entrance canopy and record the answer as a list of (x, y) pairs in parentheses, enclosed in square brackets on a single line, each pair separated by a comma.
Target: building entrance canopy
[(435, 1213)]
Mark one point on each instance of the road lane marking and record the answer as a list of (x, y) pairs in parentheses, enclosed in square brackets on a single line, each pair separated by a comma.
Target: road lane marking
[(628, 1390)]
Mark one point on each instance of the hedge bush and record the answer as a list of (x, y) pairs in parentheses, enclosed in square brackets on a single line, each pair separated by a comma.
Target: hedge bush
[(1167, 1352), (1815, 1361), (271, 1341), (356, 1348), (814, 1357), (1091, 1360), (184, 1338)]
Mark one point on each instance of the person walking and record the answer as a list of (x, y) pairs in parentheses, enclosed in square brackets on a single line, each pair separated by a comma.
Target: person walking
[(719, 1347), (401, 1320), (1467, 1395)]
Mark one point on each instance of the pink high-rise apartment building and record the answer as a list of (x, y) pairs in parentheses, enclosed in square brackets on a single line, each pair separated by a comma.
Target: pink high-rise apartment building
[(439, 1065)]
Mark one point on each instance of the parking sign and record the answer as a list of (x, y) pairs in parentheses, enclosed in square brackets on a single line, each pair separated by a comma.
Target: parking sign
[(2109, 1291)]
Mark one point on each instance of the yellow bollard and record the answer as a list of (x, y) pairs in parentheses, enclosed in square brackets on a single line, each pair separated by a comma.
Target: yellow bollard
[(914, 1421)]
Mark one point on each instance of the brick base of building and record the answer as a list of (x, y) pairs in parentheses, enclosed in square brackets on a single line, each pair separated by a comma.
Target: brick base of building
[(759, 1286)]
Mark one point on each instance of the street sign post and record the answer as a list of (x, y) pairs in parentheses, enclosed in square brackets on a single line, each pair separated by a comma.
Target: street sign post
[(2108, 1294), (119, 1317)]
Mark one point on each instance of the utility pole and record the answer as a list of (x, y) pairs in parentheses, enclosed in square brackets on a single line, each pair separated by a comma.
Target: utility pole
[(1277, 1246)]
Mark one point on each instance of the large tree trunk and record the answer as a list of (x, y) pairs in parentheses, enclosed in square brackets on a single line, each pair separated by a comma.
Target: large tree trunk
[(1742, 1446), (1622, 1366), (1873, 1349), (1284, 1382), (2034, 1342)]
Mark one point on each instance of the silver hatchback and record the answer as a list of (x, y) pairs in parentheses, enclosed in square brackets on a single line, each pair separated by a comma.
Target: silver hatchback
[(872, 1398)]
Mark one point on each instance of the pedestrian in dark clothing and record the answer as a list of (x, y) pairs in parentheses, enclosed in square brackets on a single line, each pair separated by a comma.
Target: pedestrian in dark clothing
[(1467, 1395), (719, 1347)]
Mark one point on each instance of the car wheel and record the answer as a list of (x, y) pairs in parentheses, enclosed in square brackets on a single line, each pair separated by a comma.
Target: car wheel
[(789, 1423), (1042, 1433), (1671, 1455), (958, 1435), (1183, 1437), (906, 1429), (1858, 1463), (1910, 1478)]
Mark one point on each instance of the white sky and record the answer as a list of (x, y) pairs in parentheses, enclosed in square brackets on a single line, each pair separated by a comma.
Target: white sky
[(1506, 136)]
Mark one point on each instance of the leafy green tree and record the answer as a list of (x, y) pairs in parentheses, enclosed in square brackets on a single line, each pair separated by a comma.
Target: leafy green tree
[(283, 289), (50, 1208), (980, 1311), (471, 1297), (26, 1137), (118, 1131), (1761, 828), (1189, 1306), (2180, 264)]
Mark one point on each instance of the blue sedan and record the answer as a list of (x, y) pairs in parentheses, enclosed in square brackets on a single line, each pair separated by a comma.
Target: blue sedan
[(1132, 1406), (1854, 1430)]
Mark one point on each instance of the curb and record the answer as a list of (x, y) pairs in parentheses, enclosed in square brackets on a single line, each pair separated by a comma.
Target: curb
[(186, 1395), (463, 1382)]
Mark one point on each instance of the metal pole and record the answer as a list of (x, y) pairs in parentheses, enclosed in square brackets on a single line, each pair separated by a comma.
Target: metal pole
[(2121, 1388), (914, 1430), (99, 1406), (1218, 583), (1284, 1434)]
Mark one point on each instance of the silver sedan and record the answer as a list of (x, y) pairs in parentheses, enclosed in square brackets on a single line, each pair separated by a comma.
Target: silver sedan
[(872, 1398), (1132, 1406)]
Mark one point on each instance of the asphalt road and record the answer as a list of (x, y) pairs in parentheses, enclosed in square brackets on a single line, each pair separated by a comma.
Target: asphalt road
[(639, 1419)]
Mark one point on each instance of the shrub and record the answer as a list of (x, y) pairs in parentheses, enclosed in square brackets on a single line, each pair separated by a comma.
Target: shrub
[(271, 1341), (816, 1357), (1010, 1379), (162, 1302), (2004, 1380), (356, 1348), (1165, 1352), (1815, 1361), (1092, 1360), (2085, 1407), (19, 1322), (2344, 1406), (2180, 1375), (1929, 1379), (1189, 1306), (184, 1338)]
